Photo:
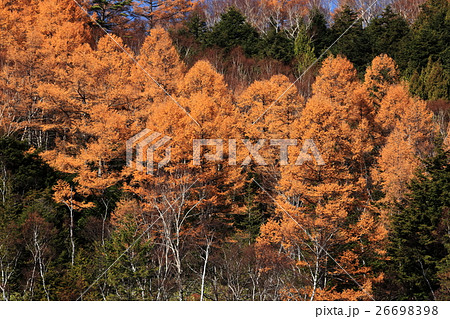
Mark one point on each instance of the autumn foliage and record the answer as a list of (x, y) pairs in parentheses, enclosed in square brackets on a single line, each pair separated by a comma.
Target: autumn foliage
[(231, 228)]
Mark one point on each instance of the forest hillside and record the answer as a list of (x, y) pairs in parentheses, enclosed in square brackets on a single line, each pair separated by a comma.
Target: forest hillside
[(224, 150)]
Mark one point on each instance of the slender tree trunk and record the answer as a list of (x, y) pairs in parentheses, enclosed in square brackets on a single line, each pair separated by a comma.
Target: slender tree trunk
[(204, 270), (72, 242), (42, 273)]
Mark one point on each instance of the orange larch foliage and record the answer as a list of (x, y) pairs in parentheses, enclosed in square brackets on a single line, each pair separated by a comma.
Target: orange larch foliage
[(392, 107), (204, 109), (22, 70), (104, 100), (268, 110), (173, 194), (100, 98), (272, 105), (37, 57), (409, 127), (81, 100), (159, 68), (380, 75), (396, 165), (98, 103), (324, 212)]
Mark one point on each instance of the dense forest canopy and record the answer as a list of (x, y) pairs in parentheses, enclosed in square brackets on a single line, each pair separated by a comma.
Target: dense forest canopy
[(369, 84)]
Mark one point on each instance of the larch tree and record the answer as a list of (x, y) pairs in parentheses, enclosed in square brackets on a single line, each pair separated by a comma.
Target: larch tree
[(22, 71), (269, 108), (97, 106), (190, 189), (49, 32), (402, 128), (109, 107), (99, 99), (126, 101), (380, 76), (324, 222), (13, 16), (410, 131), (240, 191), (157, 75), (64, 28)]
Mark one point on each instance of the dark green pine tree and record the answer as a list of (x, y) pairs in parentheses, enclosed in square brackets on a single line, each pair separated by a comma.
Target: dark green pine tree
[(417, 237), (196, 26), (132, 276), (232, 31), (354, 44), (22, 172), (444, 266), (387, 33), (433, 83), (254, 214), (25, 196), (111, 13), (303, 50), (430, 36), (318, 31), (277, 45)]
